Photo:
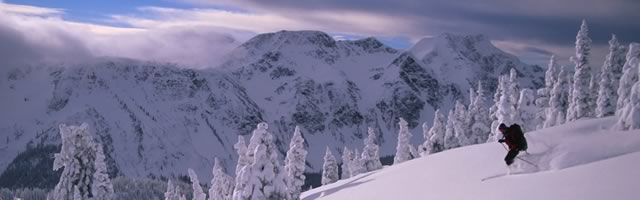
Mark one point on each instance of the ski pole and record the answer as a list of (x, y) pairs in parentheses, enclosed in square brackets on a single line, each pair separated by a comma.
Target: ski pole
[(529, 162)]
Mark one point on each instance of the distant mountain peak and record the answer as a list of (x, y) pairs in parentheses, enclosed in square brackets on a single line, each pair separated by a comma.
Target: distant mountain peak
[(371, 45), (280, 38)]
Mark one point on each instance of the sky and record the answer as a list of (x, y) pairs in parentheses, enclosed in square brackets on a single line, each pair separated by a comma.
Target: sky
[(199, 33)]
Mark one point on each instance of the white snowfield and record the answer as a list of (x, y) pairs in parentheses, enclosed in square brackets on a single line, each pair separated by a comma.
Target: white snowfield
[(582, 160)]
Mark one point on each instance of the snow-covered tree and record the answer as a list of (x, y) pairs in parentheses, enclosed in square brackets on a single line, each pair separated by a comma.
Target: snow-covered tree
[(506, 111), (559, 101), (480, 128), (551, 75), (370, 154), (264, 178), (347, 159), (356, 166), (544, 94), (527, 110), (493, 110), (541, 104), (581, 97), (594, 87), (435, 143), (171, 193), (460, 126), (514, 89), (241, 149), (609, 79), (102, 188), (329, 168), (295, 164), (198, 193), (470, 113), (425, 135), (77, 157), (221, 183), (629, 77), (630, 115), (450, 132), (403, 149)]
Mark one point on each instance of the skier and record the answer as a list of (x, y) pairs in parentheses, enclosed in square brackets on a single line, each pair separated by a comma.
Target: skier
[(514, 137)]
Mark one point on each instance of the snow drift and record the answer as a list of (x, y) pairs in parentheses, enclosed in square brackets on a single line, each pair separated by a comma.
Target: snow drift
[(579, 160)]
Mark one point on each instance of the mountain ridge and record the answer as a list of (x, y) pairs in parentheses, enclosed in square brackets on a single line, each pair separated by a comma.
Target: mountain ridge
[(170, 119)]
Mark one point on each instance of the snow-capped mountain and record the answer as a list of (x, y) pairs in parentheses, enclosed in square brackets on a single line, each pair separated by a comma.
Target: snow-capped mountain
[(159, 119), (152, 119)]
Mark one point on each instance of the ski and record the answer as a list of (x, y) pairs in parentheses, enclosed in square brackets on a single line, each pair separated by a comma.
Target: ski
[(494, 176)]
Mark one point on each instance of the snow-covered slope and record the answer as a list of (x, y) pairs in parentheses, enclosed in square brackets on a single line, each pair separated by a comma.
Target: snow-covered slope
[(579, 160), (160, 119), (153, 119)]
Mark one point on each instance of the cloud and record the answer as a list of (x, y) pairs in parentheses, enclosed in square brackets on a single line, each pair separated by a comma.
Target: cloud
[(29, 10), (35, 35), (532, 30), (27, 42), (361, 23), (547, 24), (193, 46)]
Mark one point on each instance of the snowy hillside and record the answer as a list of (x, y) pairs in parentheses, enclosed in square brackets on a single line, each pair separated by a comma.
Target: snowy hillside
[(160, 119), (579, 160), (152, 119)]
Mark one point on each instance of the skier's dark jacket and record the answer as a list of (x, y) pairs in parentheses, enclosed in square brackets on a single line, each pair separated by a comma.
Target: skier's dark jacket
[(514, 137)]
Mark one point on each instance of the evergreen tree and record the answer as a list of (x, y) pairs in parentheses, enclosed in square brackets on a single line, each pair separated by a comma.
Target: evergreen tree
[(171, 193), (450, 132), (422, 148), (356, 164), (480, 128), (470, 119), (581, 97), (630, 115), (241, 149), (264, 177), (594, 87), (295, 164), (460, 126), (609, 79), (403, 149), (629, 77), (370, 153), (494, 108), (527, 110), (544, 94), (559, 101), (329, 169), (514, 89), (505, 109), (551, 75), (347, 159), (77, 156), (506, 112), (198, 193), (101, 187), (221, 183), (437, 131), (496, 99)]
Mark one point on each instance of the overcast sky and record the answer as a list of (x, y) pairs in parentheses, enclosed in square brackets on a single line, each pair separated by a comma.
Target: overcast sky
[(198, 33)]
